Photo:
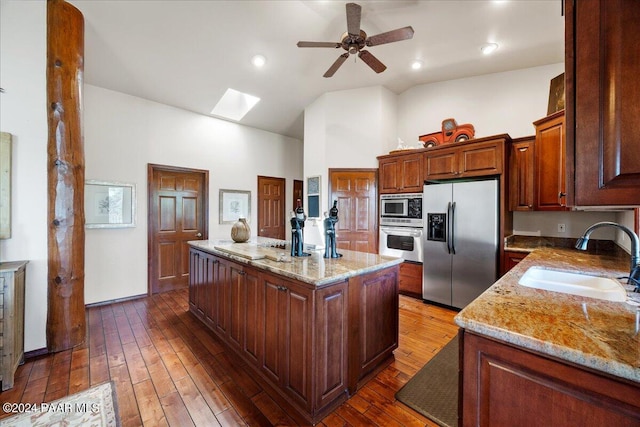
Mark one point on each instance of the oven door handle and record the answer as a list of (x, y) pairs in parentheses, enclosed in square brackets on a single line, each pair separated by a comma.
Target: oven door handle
[(402, 231)]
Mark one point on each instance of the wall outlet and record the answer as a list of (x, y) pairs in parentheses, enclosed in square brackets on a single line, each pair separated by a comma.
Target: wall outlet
[(562, 228)]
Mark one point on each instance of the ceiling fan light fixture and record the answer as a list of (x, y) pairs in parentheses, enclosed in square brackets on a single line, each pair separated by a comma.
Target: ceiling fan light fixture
[(258, 61), (489, 48), (417, 64)]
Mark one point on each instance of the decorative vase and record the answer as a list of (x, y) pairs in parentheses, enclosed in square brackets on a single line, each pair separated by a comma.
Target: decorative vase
[(240, 232)]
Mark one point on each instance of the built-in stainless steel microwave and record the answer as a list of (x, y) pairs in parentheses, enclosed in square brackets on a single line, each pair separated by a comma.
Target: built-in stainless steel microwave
[(401, 209)]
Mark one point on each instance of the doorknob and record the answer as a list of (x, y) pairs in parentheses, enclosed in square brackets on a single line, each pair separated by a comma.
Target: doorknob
[(199, 235)]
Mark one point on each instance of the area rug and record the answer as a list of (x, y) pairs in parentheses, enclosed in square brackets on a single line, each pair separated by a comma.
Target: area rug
[(94, 407), (433, 391)]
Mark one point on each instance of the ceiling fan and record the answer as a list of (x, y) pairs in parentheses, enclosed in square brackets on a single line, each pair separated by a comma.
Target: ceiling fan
[(354, 41)]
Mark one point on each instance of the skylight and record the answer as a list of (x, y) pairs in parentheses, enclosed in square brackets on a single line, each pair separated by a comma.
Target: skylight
[(234, 105)]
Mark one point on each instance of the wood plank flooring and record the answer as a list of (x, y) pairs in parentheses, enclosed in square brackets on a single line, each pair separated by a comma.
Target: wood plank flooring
[(169, 370)]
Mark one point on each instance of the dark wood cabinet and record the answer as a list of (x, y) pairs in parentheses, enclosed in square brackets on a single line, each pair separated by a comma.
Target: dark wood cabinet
[(410, 280), (603, 101), (550, 163), (506, 385), (377, 303), (479, 157), (310, 347), (511, 258), (521, 174), (401, 173), (286, 315)]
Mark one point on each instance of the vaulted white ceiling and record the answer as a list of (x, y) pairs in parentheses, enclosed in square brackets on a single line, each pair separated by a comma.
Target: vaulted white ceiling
[(187, 53)]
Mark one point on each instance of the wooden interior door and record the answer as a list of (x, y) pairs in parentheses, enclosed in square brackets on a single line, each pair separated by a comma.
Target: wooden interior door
[(178, 206), (357, 194), (271, 207)]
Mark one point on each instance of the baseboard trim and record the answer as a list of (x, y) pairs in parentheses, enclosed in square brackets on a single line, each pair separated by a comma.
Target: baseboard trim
[(43, 351), (115, 301), (36, 353)]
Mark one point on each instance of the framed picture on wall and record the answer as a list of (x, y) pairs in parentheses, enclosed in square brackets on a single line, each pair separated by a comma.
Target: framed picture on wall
[(109, 204), (313, 196), (234, 204)]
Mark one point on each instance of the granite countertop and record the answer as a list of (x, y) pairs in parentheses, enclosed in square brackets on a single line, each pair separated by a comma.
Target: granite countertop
[(314, 270), (598, 334)]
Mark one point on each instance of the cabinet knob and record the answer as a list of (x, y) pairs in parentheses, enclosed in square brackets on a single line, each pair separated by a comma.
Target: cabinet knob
[(561, 194), (198, 234)]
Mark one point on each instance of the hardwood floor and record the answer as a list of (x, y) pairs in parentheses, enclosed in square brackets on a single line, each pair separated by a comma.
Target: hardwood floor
[(168, 369)]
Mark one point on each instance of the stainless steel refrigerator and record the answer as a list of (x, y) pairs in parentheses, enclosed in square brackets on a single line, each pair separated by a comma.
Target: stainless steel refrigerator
[(460, 240)]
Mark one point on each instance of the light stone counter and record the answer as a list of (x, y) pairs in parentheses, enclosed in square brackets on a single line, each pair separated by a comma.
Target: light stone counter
[(598, 334), (314, 270)]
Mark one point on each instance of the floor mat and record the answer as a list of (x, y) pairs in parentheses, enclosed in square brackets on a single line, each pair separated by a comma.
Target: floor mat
[(433, 391)]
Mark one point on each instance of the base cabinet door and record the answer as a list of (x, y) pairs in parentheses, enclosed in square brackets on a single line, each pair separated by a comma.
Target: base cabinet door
[(221, 296), (410, 279), (286, 338), (378, 319), (331, 342), (511, 259), (202, 279), (251, 316), (297, 348), (507, 386), (237, 301)]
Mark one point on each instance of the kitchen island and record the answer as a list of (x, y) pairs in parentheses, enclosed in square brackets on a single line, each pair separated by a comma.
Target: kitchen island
[(535, 357), (311, 329)]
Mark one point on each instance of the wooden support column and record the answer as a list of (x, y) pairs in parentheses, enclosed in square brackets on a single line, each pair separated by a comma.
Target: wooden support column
[(66, 323)]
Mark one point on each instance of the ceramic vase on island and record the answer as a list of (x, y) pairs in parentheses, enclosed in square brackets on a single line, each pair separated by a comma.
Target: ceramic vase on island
[(240, 232)]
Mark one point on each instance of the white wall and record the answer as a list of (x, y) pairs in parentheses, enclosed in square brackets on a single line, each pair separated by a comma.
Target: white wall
[(497, 103), (546, 224), (348, 129), (124, 133), (23, 114)]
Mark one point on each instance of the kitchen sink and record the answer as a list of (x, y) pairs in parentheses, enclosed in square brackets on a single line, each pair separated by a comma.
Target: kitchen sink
[(574, 283)]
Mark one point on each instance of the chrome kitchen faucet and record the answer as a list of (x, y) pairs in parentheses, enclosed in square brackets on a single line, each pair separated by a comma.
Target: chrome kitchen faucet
[(634, 274)]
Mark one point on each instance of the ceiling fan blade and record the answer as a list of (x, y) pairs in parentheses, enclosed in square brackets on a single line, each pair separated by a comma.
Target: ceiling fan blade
[(331, 71), (319, 44), (353, 18), (373, 62), (390, 36)]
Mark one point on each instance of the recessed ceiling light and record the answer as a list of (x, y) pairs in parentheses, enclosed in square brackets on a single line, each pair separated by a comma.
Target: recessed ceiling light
[(489, 48), (258, 61), (417, 64), (234, 105)]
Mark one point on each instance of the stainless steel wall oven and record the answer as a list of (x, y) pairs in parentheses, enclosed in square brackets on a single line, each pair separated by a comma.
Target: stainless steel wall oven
[(401, 226)]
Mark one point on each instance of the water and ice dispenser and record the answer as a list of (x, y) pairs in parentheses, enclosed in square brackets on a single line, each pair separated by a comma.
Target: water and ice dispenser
[(437, 227)]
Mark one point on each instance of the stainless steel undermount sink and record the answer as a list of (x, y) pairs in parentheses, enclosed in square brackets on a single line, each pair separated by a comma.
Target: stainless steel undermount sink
[(573, 283)]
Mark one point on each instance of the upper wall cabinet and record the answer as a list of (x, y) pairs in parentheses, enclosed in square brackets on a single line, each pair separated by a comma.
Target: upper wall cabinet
[(476, 157), (603, 102), (401, 173), (550, 187), (521, 175)]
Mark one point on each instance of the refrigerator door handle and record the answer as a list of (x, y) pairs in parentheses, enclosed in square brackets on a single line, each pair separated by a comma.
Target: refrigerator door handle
[(453, 237), (448, 237)]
